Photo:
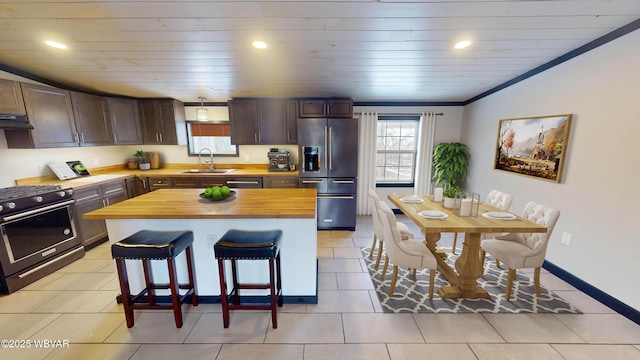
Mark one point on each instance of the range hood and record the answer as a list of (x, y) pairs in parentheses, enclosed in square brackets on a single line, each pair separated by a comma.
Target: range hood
[(14, 122)]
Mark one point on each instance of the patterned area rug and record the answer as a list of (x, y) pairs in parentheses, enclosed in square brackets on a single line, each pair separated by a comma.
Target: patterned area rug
[(412, 295)]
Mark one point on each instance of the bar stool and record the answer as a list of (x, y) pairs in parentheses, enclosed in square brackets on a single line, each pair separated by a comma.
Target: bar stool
[(249, 245), (147, 245)]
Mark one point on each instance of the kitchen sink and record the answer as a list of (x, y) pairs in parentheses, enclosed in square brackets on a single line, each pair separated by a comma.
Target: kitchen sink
[(206, 171)]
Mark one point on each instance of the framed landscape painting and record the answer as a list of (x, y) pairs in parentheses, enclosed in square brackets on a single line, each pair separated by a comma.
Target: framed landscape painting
[(533, 146)]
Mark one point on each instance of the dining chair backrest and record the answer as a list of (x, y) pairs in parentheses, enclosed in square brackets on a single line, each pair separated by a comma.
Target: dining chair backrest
[(375, 214), (390, 230), (499, 199), (537, 242)]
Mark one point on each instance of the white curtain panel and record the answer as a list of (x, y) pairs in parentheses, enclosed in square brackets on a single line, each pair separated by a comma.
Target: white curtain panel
[(367, 127), (425, 153)]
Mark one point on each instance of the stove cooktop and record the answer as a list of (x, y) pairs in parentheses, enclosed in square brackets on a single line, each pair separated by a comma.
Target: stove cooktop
[(19, 198), (25, 190)]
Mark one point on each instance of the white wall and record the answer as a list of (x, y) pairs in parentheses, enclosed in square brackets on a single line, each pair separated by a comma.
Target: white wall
[(598, 197)]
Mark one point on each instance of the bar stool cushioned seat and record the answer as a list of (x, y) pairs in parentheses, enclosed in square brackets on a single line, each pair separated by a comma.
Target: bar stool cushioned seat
[(147, 245), (249, 245)]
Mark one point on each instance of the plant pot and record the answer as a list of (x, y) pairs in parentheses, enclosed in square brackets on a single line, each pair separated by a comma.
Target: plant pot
[(145, 166), (450, 203)]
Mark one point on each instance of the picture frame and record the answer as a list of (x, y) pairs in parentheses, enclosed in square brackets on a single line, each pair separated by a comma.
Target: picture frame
[(533, 146)]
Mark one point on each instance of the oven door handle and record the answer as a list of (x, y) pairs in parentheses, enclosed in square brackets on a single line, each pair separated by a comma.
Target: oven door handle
[(25, 274), (38, 210)]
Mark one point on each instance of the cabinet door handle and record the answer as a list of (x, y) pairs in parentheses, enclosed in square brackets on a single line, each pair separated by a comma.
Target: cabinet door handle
[(161, 138), (343, 181), (76, 138), (255, 137), (82, 137), (242, 182), (115, 137), (311, 181), (144, 183)]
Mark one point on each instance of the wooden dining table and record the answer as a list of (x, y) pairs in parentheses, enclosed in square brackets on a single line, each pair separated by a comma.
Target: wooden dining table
[(468, 267)]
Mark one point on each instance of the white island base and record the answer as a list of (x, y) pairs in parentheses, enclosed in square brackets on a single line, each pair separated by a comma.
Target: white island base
[(298, 255)]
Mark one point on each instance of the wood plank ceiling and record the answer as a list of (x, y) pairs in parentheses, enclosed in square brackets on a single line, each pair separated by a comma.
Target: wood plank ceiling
[(382, 50)]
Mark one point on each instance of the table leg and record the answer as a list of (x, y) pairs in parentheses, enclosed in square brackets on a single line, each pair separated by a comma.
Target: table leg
[(431, 240), (469, 268)]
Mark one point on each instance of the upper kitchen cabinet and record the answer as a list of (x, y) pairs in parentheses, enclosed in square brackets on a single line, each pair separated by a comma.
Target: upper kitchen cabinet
[(163, 122), (334, 108), (292, 122), (91, 118), (11, 98), (243, 115), (124, 116), (50, 112), (258, 121)]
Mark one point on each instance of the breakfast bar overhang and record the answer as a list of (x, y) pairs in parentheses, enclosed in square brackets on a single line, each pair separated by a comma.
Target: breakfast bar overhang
[(291, 210)]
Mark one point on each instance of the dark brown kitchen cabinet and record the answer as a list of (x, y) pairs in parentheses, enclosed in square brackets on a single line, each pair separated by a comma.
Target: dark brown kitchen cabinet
[(91, 119), (94, 232), (159, 182), (11, 101), (163, 122), (280, 182), (124, 116), (243, 182), (243, 115), (291, 120), (50, 112), (335, 108), (197, 182), (258, 121)]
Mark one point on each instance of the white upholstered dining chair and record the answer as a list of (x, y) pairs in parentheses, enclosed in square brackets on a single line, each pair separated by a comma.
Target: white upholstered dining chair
[(495, 198), (378, 236), (411, 253), (520, 250)]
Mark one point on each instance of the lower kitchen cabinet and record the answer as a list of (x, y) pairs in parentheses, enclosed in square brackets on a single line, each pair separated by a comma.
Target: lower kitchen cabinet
[(159, 182), (93, 232), (244, 182), (280, 182)]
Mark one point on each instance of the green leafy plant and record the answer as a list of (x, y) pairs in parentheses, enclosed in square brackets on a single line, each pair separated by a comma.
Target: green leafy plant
[(450, 164), (454, 190), (140, 156)]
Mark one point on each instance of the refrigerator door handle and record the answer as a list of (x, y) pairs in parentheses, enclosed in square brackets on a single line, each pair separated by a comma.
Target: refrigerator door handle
[(330, 147), (326, 148)]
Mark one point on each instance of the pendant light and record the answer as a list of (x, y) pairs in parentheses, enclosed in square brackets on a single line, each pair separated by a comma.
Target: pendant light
[(201, 114)]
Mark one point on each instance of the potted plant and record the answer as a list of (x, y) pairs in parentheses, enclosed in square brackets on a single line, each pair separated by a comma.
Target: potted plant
[(450, 195), (143, 163), (450, 164)]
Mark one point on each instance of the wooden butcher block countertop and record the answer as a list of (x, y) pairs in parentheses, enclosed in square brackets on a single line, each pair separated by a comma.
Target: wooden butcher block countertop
[(187, 204)]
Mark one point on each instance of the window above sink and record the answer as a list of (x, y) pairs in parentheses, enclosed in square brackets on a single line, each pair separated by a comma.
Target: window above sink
[(215, 136)]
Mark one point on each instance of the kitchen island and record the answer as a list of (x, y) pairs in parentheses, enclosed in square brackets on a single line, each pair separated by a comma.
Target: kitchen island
[(292, 210)]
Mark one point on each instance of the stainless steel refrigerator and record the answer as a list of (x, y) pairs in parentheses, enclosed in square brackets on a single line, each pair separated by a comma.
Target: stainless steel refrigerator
[(328, 153)]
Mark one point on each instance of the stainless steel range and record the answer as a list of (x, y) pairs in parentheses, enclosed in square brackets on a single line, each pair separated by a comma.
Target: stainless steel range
[(38, 233)]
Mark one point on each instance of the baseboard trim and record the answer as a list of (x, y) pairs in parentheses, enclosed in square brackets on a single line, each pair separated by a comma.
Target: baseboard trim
[(606, 299)]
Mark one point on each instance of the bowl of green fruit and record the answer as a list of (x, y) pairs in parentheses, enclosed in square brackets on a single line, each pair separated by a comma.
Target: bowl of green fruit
[(217, 193)]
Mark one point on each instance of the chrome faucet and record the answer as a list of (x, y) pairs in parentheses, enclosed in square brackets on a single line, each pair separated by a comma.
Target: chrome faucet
[(210, 158)]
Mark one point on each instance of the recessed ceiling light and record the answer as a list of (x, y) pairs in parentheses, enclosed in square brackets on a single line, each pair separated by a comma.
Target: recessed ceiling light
[(55, 44), (259, 44), (462, 44)]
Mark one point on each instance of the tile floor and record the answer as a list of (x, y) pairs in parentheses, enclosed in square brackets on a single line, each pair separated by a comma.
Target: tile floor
[(76, 304)]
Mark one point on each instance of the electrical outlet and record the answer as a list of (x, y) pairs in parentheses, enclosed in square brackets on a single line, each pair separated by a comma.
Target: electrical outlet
[(566, 238), (211, 240)]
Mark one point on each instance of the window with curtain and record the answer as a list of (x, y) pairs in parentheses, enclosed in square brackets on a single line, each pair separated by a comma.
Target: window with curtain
[(213, 136), (396, 150)]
